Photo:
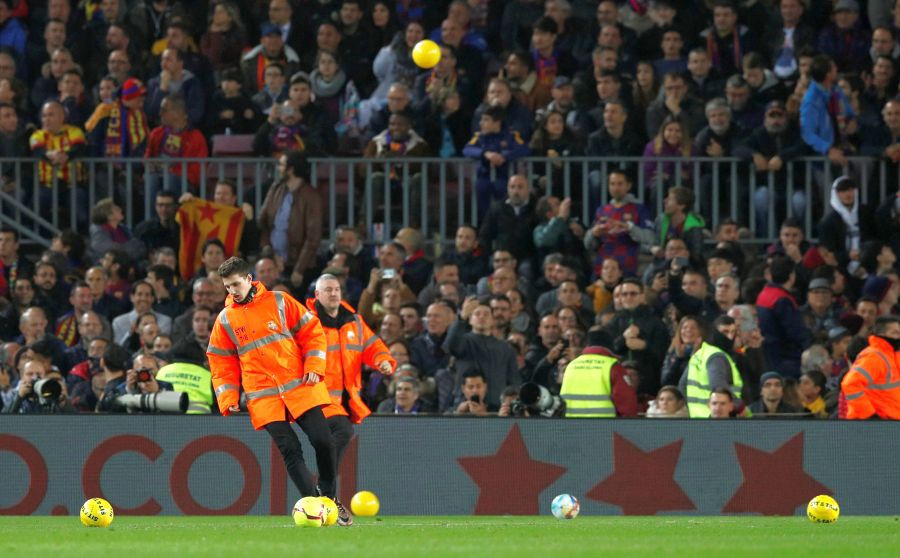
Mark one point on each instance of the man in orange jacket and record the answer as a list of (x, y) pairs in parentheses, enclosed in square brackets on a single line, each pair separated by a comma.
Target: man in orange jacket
[(272, 346), (350, 345), (872, 385)]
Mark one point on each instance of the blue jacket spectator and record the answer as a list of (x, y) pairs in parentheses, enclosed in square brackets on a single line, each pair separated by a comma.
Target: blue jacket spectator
[(822, 105), (494, 147)]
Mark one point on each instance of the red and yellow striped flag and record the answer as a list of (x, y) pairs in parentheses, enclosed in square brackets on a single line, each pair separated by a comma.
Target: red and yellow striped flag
[(200, 221)]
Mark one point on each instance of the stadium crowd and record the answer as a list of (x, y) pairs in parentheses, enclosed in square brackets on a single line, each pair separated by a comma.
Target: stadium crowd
[(699, 321)]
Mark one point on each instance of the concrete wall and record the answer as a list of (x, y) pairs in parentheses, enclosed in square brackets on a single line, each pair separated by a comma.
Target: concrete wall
[(443, 466)]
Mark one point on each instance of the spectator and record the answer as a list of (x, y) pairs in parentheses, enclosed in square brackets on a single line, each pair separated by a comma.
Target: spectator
[(645, 90), (771, 148), (515, 116), (397, 143), (669, 403), (274, 90), (639, 336), (509, 224), (469, 255), (321, 136), (557, 142), (615, 233), (426, 351), (765, 87), (672, 60), (120, 129), (162, 230), (338, 96), (231, 111), (175, 79), (558, 231), (399, 100), (469, 60), (721, 403), (434, 87), (445, 271), (162, 279), (847, 225), (14, 136), (447, 127), (585, 396), (224, 38), (470, 340), (676, 221), (109, 233), (619, 136), (601, 290), (70, 93), (104, 304), (519, 72), (12, 264), (142, 299), (202, 294), (781, 44), (727, 40), (609, 88), (66, 327), (12, 34), (474, 392), (772, 400), (57, 144), (272, 48), (404, 399), (562, 100), (117, 265), (823, 104), (671, 141), (812, 388), (781, 321), (820, 313), (284, 131), (721, 135), (394, 63), (494, 147), (845, 40), (192, 347), (744, 111), (727, 292), (175, 138), (290, 218), (46, 87), (704, 81)]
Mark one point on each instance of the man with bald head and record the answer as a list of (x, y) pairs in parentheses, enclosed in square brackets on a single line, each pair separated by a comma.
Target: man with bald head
[(90, 326), (56, 144), (266, 272), (510, 224), (33, 328), (203, 293)]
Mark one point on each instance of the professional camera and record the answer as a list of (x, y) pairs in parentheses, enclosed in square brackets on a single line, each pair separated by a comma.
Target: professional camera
[(163, 401), (144, 374), (536, 401), (48, 391)]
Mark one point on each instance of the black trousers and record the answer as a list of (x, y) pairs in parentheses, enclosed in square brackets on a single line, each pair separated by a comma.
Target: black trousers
[(341, 433), (314, 425)]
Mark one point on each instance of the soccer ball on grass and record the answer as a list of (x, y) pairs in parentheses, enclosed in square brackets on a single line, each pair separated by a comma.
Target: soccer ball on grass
[(96, 512), (565, 506), (823, 509), (309, 512)]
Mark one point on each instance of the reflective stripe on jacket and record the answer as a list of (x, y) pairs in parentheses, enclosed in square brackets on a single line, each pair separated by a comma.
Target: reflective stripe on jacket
[(193, 380), (872, 385), (698, 387), (349, 347), (587, 387), (268, 346)]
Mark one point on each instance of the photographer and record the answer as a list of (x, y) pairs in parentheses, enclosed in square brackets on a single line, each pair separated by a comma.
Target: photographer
[(141, 378), (596, 385), (39, 390)]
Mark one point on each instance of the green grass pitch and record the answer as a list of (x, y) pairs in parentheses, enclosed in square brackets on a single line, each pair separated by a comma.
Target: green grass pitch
[(434, 537)]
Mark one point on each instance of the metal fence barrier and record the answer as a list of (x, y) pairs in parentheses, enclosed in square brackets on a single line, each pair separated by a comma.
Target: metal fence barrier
[(435, 194)]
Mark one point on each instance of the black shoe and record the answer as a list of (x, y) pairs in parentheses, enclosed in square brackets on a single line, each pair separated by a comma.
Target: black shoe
[(345, 518)]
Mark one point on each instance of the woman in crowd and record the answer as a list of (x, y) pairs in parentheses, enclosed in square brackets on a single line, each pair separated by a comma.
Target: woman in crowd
[(672, 141), (339, 98), (669, 403), (225, 37)]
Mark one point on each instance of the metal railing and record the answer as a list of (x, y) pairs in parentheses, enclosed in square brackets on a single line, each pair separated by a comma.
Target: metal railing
[(438, 194)]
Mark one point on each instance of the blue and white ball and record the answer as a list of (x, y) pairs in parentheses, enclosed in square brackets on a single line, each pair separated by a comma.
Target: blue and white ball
[(565, 506)]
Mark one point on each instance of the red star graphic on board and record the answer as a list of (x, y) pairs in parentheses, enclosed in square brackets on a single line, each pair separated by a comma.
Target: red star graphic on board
[(510, 482), (642, 482), (208, 212), (774, 483)]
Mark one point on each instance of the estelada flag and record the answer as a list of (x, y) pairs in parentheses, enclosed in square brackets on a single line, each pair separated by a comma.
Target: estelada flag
[(200, 221)]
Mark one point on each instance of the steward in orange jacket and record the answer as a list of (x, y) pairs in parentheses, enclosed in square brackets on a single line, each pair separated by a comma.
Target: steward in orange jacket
[(872, 385), (272, 346), (350, 345)]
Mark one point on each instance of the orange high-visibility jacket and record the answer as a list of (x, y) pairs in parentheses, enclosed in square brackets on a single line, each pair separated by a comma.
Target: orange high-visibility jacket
[(267, 346), (349, 347), (872, 385)]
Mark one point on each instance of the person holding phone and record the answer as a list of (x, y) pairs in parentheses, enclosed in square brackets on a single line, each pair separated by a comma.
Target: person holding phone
[(474, 392)]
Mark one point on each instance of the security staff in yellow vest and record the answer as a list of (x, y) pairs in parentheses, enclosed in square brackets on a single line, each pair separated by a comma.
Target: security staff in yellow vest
[(708, 368), (185, 374), (596, 385)]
